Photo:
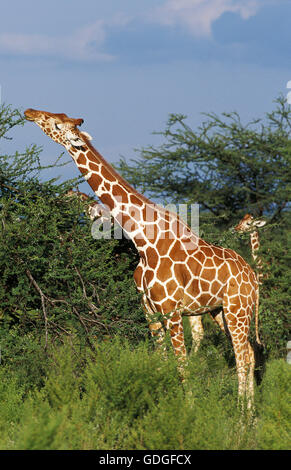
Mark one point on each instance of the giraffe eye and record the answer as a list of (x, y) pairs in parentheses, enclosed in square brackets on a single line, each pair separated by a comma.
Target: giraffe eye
[(58, 127)]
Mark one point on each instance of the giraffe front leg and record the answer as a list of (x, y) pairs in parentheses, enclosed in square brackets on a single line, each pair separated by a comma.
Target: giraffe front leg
[(175, 326), (156, 328)]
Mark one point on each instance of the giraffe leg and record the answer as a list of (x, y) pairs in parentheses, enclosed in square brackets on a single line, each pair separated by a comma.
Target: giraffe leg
[(248, 387), (245, 368), (251, 372), (250, 359), (197, 332), (219, 320), (244, 357), (155, 327), (237, 314), (175, 326)]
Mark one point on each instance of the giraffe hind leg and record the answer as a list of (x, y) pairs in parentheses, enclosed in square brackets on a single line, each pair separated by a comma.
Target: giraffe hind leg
[(175, 327), (218, 317), (197, 331), (237, 318)]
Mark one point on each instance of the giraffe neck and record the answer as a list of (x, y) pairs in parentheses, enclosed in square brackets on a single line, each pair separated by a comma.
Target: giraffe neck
[(255, 244), (140, 219)]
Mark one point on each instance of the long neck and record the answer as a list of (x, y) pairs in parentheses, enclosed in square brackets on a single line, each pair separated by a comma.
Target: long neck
[(255, 244), (138, 216)]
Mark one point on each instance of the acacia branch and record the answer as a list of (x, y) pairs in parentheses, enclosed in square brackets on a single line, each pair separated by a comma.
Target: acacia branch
[(43, 298), (90, 304)]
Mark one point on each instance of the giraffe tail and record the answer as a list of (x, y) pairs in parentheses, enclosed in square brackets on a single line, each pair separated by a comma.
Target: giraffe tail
[(257, 314)]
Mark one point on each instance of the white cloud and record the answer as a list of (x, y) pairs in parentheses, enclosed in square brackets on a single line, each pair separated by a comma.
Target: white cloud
[(198, 15), (83, 45), (86, 43)]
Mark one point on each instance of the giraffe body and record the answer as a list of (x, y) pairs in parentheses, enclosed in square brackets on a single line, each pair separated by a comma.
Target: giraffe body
[(178, 273), (247, 224)]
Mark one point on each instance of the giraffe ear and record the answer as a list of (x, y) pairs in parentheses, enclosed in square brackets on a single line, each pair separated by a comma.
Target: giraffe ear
[(86, 135), (78, 122), (77, 142), (259, 223), (74, 140)]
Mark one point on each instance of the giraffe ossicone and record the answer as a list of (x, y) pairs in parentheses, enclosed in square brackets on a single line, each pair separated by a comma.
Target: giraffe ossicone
[(249, 223), (178, 272)]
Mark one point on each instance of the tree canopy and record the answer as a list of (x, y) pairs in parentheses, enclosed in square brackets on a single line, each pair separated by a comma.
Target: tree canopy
[(55, 277), (227, 167)]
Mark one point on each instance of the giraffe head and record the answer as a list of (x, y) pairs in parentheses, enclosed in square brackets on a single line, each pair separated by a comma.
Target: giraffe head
[(249, 224), (59, 127)]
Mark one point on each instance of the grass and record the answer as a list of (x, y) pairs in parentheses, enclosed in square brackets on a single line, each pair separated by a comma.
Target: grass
[(130, 397)]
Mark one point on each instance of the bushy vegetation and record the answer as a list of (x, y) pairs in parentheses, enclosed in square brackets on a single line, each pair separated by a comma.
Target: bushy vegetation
[(55, 277), (128, 397), (78, 368)]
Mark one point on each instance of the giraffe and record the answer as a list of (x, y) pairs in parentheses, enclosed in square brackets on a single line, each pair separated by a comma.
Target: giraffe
[(178, 272), (249, 224)]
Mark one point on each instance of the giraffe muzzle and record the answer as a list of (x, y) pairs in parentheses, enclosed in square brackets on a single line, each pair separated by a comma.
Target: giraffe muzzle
[(29, 114)]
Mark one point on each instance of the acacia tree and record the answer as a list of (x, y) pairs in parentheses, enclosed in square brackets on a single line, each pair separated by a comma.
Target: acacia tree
[(55, 278), (231, 169), (228, 168)]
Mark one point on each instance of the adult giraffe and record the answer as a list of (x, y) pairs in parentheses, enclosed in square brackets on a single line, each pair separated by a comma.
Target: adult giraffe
[(178, 273)]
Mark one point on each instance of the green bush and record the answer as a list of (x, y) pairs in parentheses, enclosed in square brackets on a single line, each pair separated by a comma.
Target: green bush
[(60, 280), (203, 414), (11, 406), (55, 278), (24, 354), (274, 424), (119, 372), (127, 396), (103, 395)]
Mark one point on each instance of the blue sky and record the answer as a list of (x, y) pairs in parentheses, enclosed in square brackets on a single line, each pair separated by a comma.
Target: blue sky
[(125, 65)]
